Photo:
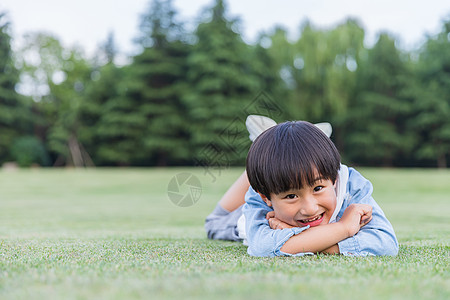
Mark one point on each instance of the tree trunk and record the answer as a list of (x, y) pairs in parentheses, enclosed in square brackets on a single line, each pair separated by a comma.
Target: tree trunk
[(441, 161), (162, 159), (80, 157), (75, 152)]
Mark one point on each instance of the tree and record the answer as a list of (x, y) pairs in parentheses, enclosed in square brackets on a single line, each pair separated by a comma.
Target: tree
[(223, 86), (319, 72), (381, 108), (147, 122), (322, 68), (161, 70), (15, 110), (57, 79), (432, 103), (266, 67), (105, 85)]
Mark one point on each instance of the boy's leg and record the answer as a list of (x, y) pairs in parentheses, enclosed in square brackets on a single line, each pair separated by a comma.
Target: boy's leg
[(235, 196), (221, 224)]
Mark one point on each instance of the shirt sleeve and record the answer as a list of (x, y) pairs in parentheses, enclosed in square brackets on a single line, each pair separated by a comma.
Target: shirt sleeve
[(375, 238), (262, 240)]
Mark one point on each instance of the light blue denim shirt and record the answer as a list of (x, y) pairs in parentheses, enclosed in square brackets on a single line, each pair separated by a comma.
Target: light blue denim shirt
[(375, 238)]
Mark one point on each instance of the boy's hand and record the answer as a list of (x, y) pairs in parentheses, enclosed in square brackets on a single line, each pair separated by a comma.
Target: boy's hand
[(275, 223), (356, 216)]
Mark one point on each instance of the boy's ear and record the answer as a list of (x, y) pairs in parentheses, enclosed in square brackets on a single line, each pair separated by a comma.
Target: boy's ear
[(265, 199)]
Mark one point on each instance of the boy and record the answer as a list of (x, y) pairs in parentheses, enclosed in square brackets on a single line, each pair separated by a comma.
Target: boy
[(301, 200)]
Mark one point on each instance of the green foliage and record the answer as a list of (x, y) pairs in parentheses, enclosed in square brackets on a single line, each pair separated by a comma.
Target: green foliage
[(323, 68), (380, 109), (97, 126), (60, 76), (28, 150), (319, 72), (161, 72), (183, 99), (220, 69), (15, 113), (432, 105), (265, 68), (146, 121), (69, 97)]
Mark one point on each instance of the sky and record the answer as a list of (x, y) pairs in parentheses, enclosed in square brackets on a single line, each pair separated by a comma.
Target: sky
[(87, 23)]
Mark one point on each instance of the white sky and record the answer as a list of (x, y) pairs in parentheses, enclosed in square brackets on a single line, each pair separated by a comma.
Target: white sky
[(88, 22)]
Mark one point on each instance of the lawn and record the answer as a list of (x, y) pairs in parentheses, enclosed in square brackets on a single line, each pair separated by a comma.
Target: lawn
[(114, 234)]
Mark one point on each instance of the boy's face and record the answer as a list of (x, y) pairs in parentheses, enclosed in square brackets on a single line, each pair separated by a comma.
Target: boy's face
[(312, 205)]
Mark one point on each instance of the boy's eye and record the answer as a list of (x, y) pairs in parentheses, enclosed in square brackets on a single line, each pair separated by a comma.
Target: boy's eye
[(318, 188), (290, 196)]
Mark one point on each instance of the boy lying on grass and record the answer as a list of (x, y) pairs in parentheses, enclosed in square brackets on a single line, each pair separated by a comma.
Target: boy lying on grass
[(296, 198)]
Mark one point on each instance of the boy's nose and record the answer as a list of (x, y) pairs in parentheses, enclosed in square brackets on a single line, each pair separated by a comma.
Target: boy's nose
[(309, 206)]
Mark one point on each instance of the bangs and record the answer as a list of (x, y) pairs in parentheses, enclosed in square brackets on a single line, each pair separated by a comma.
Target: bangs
[(291, 155)]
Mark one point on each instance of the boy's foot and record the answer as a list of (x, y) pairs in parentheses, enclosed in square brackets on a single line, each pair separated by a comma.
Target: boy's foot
[(325, 127), (258, 124)]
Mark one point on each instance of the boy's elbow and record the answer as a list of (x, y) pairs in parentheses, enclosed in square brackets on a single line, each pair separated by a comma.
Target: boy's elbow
[(380, 244), (393, 250), (260, 252), (260, 248), (388, 248)]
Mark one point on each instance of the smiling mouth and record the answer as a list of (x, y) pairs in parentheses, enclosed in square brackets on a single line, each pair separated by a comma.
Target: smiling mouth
[(313, 220)]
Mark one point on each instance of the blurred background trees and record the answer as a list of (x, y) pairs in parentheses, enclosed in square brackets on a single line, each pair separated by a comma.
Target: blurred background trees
[(15, 110), (220, 70), (184, 97), (380, 110), (432, 103)]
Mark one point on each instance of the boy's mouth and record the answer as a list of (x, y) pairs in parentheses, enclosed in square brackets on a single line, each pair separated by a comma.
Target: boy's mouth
[(314, 221)]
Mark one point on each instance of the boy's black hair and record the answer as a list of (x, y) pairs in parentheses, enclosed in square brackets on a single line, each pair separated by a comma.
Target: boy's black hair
[(291, 155)]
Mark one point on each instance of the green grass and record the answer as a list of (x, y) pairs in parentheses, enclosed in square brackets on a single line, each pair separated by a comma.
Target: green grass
[(114, 234)]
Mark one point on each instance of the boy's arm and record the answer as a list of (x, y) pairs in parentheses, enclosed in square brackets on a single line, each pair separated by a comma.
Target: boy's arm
[(274, 223), (261, 239), (377, 237), (316, 239), (332, 250), (264, 241), (325, 237)]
